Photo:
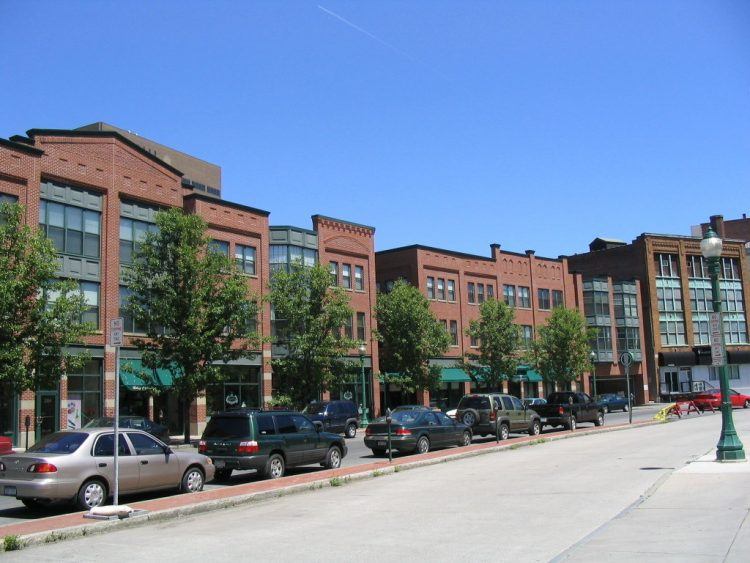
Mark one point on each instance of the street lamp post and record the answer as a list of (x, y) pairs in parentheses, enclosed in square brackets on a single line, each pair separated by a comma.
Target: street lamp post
[(593, 370), (729, 447), (363, 396)]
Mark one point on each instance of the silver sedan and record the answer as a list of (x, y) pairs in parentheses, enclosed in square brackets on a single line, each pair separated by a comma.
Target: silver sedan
[(78, 466)]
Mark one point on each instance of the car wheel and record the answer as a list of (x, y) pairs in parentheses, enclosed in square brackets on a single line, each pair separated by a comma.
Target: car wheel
[(470, 418), (92, 493), (423, 445), (222, 475), (606, 408), (599, 420), (465, 439), (746, 405), (351, 431), (274, 467), (572, 423), (536, 428), (333, 458), (378, 452), (504, 431), (192, 481)]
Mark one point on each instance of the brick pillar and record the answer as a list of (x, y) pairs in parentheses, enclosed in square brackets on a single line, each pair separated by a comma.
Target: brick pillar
[(198, 415), (423, 398), (26, 407), (267, 382)]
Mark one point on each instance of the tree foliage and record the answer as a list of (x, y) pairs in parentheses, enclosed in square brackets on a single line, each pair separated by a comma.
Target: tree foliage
[(40, 316), (499, 340), (194, 303), (411, 336), (561, 350), (310, 316)]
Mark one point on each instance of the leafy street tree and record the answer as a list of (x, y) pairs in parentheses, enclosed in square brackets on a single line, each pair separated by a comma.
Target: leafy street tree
[(310, 316), (193, 303), (411, 336), (499, 340), (39, 315), (561, 351)]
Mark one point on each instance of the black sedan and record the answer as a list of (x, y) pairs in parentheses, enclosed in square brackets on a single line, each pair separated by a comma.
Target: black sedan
[(131, 421), (416, 432)]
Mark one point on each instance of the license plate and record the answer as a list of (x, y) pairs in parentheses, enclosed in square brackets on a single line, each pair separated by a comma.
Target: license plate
[(381, 443), (219, 464), (9, 491)]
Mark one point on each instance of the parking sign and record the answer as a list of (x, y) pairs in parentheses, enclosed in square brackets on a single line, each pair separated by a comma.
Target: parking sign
[(116, 328)]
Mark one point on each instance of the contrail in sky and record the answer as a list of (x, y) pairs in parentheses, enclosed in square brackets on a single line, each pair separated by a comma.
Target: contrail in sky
[(378, 39)]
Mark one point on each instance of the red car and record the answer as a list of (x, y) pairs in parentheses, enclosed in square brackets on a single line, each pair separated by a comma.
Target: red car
[(712, 398)]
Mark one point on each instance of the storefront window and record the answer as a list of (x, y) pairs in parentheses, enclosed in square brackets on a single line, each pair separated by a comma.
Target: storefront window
[(240, 388), (84, 395), (8, 411)]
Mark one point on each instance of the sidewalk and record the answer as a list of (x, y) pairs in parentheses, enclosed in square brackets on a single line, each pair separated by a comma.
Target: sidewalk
[(698, 513), (65, 526)]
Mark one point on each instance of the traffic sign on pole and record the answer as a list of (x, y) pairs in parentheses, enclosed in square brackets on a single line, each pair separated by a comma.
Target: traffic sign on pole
[(116, 329), (717, 345)]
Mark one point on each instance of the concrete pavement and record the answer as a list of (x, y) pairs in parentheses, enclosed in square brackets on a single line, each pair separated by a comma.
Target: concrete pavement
[(529, 504)]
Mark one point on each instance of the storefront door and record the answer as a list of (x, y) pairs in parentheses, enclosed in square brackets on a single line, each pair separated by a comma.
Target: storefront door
[(47, 413)]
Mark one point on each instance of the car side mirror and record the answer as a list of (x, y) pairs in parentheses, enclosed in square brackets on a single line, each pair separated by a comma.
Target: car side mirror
[(168, 450), (318, 425)]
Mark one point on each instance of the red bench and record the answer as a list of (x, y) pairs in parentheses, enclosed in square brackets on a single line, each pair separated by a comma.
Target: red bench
[(6, 445)]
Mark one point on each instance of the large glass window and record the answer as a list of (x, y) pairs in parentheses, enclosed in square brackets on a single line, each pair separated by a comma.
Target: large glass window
[(666, 265), (361, 327), (278, 257), (543, 295), (596, 299), (628, 339), (90, 291), (669, 303), (730, 269), (128, 321), (451, 290), (509, 294), (85, 391), (524, 297), (626, 306), (132, 233), (240, 387), (430, 287), (441, 289), (219, 246), (527, 336), (346, 276), (72, 230), (603, 341), (245, 257), (557, 298)]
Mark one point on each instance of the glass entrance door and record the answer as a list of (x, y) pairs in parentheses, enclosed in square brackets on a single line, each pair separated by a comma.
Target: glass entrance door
[(47, 413)]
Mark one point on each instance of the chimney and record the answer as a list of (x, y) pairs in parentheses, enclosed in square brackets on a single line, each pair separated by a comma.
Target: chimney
[(530, 252), (717, 224), (495, 251)]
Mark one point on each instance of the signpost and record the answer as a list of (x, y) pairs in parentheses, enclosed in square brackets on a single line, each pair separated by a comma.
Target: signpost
[(116, 329), (626, 359)]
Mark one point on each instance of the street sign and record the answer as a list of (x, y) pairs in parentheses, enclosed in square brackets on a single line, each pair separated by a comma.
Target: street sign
[(626, 359), (717, 346), (116, 329)]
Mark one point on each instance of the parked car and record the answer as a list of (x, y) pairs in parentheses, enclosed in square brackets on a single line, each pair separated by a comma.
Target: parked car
[(416, 431), (337, 416), (569, 408), (533, 401), (711, 398), (411, 408), (492, 413), (78, 466), (269, 442), (131, 421), (612, 402)]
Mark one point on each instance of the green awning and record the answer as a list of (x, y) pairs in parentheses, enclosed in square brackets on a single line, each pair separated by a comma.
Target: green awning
[(529, 375), (133, 375), (454, 375)]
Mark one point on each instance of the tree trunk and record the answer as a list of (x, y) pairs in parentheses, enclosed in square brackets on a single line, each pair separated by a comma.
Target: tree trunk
[(186, 418)]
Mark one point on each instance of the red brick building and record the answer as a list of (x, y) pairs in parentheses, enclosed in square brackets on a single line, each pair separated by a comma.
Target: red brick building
[(95, 193), (456, 284)]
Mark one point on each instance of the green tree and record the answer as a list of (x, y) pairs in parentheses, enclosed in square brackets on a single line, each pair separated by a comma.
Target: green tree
[(499, 340), (310, 316), (194, 303), (40, 316), (411, 336), (561, 350)]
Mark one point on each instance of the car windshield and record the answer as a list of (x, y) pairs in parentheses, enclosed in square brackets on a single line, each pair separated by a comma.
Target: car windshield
[(315, 408), (405, 417), (227, 427), (474, 402), (59, 443)]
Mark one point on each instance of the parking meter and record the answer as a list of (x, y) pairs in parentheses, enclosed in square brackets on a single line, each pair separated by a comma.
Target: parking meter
[(388, 420)]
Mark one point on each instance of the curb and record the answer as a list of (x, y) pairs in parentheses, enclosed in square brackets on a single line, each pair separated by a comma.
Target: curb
[(329, 478)]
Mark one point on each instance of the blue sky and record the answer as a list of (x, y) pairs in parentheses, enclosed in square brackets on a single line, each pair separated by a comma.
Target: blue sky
[(537, 125)]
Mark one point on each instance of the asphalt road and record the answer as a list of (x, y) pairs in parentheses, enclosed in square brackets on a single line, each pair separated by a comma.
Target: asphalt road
[(12, 510), (528, 504)]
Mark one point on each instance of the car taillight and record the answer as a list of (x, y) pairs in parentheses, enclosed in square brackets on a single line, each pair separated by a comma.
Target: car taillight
[(560, 410), (403, 432), (368, 431), (493, 415), (202, 447), (248, 447), (42, 468)]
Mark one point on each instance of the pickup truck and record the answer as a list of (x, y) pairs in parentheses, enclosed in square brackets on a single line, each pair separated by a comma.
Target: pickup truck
[(569, 408)]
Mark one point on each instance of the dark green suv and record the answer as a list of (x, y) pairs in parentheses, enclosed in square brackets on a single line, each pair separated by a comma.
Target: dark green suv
[(268, 441)]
